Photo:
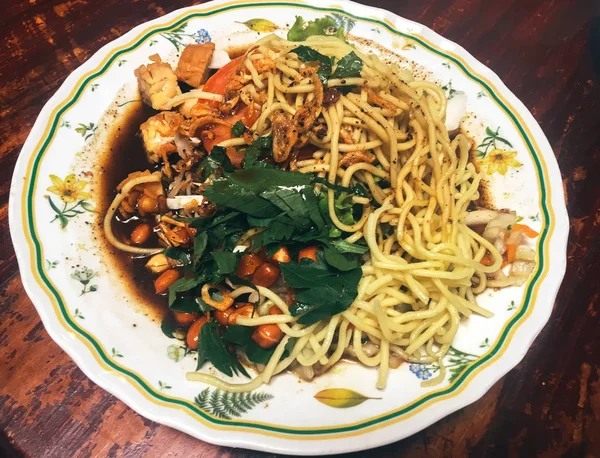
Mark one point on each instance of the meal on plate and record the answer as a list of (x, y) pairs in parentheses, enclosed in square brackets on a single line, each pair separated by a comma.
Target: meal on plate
[(308, 203)]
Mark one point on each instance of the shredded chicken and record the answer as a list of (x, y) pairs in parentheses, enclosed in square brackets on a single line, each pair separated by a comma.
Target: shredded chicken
[(194, 127), (173, 232), (192, 67), (157, 83), (289, 133), (232, 91), (355, 157), (372, 97), (346, 135), (194, 108), (158, 135), (265, 65)]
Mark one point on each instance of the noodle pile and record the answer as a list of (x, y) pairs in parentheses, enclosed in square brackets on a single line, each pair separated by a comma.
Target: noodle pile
[(425, 257)]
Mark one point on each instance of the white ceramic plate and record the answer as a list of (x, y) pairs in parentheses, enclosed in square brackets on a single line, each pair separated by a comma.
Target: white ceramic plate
[(91, 316)]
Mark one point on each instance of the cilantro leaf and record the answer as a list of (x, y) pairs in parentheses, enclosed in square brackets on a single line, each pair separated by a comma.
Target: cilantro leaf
[(259, 148), (301, 29), (182, 285), (349, 66), (346, 247), (185, 304), (212, 348), (178, 254), (242, 336), (344, 208), (357, 189), (306, 54), (226, 261), (341, 261), (238, 129), (215, 163), (324, 290), (200, 242)]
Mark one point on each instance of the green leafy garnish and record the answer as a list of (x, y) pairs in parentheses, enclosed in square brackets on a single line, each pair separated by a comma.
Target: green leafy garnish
[(261, 147), (242, 336), (186, 304), (344, 208), (345, 247), (349, 66), (301, 29), (178, 254), (306, 54), (215, 164), (341, 261), (242, 190), (212, 348), (182, 285), (324, 290), (357, 189), (238, 129), (226, 261)]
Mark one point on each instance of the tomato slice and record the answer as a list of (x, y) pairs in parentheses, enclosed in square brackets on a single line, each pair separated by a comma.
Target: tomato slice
[(221, 132), (248, 115), (217, 84)]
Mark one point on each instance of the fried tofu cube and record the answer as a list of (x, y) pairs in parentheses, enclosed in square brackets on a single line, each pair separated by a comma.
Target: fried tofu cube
[(158, 135), (157, 83), (193, 63)]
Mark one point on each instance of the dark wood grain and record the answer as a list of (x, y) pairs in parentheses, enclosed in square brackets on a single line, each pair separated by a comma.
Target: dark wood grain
[(548, 406)]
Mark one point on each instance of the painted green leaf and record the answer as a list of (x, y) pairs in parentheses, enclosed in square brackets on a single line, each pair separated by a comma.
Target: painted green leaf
[(223, 404), (260, 25), (341, 398)]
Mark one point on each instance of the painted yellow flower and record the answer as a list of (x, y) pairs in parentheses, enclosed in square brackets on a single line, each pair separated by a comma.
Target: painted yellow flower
[(498, 160), (69, 190)]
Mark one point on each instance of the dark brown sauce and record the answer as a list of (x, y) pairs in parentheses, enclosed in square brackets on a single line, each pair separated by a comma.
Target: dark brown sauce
[(124, 154)]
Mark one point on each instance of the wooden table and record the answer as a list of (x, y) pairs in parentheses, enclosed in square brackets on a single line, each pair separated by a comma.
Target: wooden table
[(549, 405)]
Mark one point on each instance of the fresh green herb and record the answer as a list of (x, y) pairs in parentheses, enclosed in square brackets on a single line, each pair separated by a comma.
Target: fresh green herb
[(200, 242), (226, 261), (215, 164), (261, 147), (185, 304), (306, 54), (219, 154), (357, 189), (169, 327), (301, 29), (349, 66), (182, 285), (238, 129), (344, 208), (316, 281), (203, 306), (345, 247), (178, 254), (242, 190), (212, 348), (341, 261), (242, 336)]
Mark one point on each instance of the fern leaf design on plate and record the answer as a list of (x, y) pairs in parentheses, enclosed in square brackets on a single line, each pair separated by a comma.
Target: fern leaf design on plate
[(223, 404), (343, 21)]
